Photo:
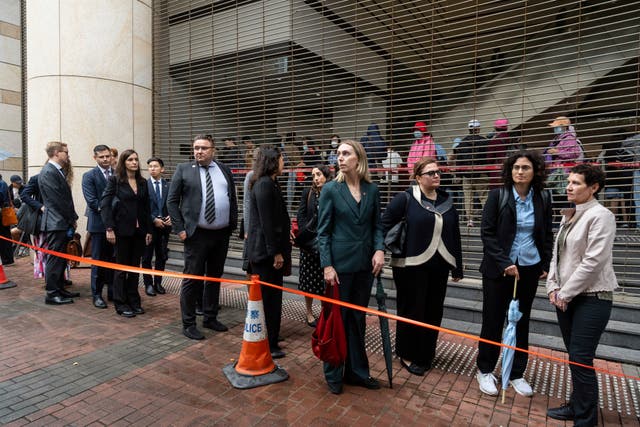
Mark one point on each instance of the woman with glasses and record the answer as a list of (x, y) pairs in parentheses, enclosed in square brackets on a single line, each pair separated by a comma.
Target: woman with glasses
[(432, 250), (517, 238)]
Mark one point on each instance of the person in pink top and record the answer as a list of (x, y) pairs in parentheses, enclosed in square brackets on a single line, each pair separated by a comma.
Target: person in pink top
[(423, 146)]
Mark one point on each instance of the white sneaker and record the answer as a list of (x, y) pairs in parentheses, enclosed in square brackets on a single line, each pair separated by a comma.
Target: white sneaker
[(522, 387), (487, 383)]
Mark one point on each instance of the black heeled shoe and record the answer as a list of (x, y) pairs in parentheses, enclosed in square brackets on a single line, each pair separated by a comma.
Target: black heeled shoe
[(126, 313)]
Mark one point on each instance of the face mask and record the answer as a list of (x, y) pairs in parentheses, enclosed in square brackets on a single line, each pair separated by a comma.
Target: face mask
[(334, 143), (558, 130), (417, 134), (305, 147)]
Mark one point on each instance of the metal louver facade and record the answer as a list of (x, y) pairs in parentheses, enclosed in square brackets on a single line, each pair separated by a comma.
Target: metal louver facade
[(281, 70)]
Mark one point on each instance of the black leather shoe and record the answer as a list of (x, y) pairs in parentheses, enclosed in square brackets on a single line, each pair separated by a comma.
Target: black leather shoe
[(68, 283), (160, 289), (215, 325), (98, 302), (312, 324), (138, 310), (370, 383), (199, 311), (149, 290), (414, 368), (68, 294), (126, 312), (57, 300), (564, 413), (335, 388), (278, 354), (193, 333)]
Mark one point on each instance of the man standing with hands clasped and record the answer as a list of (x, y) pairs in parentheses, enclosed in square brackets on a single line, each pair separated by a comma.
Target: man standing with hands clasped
[(158, 189), (203, 208)]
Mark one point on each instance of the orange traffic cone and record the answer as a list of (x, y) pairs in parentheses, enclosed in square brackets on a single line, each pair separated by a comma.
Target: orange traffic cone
[(255, 366), (4, 282)]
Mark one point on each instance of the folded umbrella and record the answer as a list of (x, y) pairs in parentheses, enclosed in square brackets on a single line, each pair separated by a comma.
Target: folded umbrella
[(384, 329), (509, 338)]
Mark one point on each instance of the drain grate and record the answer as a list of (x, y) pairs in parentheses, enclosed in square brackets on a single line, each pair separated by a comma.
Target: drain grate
[(546, 377)]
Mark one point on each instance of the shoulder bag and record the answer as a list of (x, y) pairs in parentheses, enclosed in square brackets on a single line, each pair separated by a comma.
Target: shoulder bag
[(396, 237)]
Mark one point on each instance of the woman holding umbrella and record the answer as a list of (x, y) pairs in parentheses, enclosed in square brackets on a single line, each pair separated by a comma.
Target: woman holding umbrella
[(517, 238), (580, 284), (432, 250)]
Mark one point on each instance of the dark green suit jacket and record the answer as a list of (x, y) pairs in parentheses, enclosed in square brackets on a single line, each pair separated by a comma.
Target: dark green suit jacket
[(349, 233)]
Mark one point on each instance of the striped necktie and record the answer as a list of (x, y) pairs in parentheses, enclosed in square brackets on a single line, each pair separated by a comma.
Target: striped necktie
[(210, 202)]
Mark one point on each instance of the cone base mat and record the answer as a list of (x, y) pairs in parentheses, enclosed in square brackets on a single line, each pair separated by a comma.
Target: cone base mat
[(7, 285), (244, 381)]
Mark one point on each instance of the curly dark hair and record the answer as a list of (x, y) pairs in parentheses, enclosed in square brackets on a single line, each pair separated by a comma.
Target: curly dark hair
[(266, 163), (539, 170), (592, 175)]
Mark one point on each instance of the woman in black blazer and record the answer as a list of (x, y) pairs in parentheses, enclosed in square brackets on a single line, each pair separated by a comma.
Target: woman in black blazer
[(518, 240), (269, 246), (432, 249), (125, 211)]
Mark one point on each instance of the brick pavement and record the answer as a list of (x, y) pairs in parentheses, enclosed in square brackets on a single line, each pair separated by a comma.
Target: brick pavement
[(77, 365)]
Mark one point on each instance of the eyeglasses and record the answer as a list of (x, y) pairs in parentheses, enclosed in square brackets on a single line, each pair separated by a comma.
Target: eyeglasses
[(201, 148), (523, 168), (431, 173)]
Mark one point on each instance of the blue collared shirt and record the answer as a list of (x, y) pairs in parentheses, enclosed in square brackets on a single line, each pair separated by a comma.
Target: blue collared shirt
[(523, 250)]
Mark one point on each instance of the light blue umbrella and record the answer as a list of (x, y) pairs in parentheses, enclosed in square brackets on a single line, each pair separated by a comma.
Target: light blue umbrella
[(509, 338)]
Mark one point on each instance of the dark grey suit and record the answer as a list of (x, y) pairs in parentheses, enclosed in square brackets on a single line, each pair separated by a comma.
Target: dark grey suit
[(58, 220), (205, 251)]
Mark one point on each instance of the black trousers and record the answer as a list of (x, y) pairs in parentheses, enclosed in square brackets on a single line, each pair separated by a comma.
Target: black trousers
[(55, 265), (6, 248), (101, 250), (271, 298), (581, 326), (421, 291), (125, 284), (356, 289), (158, 247), (497, 294), (205, 253)]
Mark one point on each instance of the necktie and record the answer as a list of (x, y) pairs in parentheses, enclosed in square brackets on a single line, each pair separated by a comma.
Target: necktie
[(210, 202), (158, 195)]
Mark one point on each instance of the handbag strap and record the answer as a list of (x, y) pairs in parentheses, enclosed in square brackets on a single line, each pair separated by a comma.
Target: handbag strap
[(406, 206)]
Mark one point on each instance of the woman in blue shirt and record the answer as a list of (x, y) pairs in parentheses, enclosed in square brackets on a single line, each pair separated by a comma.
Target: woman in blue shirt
[(518, 241)]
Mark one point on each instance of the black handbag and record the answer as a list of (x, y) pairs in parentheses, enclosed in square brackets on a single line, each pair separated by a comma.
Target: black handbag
[(307, 238), (29, 219), (396, 237)]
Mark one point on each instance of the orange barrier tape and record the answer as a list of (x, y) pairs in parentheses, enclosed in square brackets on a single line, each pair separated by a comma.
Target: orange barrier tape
[(368, 310)]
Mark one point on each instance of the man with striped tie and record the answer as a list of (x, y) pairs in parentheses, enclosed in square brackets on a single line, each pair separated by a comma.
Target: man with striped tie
[(203, 208)]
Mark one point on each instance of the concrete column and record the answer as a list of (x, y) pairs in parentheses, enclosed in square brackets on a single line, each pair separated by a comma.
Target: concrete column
[(89, 80)]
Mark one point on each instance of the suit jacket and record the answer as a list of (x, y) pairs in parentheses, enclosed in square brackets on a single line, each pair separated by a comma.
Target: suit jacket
[(122, 209), (348, 232), (185, 197), (158, 209), (93, 185), (59, 213), (269, 222), (31, 193), (498, 230)]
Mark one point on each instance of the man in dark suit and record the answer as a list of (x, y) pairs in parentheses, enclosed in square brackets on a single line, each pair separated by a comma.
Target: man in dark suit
[(158, 191), (94, 182), (58, 220), (203, 208)]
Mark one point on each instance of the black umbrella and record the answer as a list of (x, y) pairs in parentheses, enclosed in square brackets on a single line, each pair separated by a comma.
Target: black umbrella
[(384, 328)]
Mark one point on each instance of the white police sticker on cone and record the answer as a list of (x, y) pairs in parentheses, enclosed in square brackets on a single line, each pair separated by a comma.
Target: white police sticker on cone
[(254, 329)]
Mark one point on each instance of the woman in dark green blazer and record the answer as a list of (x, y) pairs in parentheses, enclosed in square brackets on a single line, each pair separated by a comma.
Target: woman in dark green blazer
[(351, 254)]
